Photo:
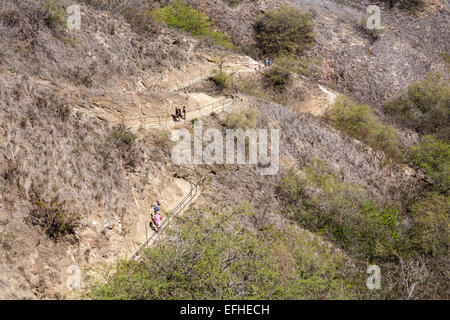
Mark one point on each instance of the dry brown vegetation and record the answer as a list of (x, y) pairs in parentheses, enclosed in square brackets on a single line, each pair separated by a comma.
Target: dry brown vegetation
[(66, 174)]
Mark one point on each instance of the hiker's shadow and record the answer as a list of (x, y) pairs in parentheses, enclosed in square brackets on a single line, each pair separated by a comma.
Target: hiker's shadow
[(153, 226), (175, 118)]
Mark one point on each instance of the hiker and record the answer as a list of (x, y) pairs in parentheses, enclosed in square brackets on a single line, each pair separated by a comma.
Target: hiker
[(154, 223), (269, 62), (157, 218), (179, 113), (184, 112), (175, 116), (156, 207)]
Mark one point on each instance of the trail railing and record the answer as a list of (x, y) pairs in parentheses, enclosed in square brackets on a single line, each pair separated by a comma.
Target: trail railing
[(164, 120), (174, 213)]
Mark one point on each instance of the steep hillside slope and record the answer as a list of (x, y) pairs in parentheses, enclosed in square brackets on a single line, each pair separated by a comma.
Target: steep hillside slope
[(80, 169), (348, 58)]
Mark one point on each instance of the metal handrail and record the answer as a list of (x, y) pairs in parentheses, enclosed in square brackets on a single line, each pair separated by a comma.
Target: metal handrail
[(156, 121), (173, 213), (188, 198)]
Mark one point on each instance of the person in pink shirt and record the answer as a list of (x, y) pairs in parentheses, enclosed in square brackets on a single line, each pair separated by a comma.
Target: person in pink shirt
[(157, 218)]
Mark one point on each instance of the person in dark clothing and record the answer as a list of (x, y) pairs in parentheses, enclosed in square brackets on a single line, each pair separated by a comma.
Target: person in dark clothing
[(177, 115), (184, 112)]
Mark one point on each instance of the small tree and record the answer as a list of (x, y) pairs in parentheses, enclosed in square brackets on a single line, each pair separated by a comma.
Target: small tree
[(181, 16), (279, 76), (424, 107), (433, 156), (284, 31)]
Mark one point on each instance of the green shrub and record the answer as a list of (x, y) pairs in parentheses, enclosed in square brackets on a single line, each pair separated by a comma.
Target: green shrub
[(53, 219), (433, 156), (253, 89), (6, 239), (321, 203), (55, 15), (213, 257), (359, 122), (279, 75), (186, 18), (122, 136), (194, 120), (233, 3), (446, 57), (373, 33), (432, 228), (284, 31), (413, 249), (242, 120), (222, 80), (425, 106)]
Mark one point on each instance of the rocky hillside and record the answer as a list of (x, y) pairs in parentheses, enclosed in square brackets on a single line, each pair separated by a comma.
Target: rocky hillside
[(372, 68), (81, 168)]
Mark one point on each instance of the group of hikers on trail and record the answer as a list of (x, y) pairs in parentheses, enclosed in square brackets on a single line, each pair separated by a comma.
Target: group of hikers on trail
[(267, 64), (156, 217), (179, 115)]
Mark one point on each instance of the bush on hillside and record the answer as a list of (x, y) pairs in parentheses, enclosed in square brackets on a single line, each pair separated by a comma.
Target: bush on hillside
[(322, 203), (56, 222), (360, 122), (233, 3), (222, 80), (408, 250), (286, 31), (6, 240), (184, 17), (242, 120), (213, 257), (279, 75), (432, 228), (411, 5), (374, 34), (425, 106), (28, 14), (433, 156), (121, 142), (55, 16)]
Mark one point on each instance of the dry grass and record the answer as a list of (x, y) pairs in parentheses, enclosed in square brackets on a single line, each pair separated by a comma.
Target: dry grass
[(48, 149), (111, 44)]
